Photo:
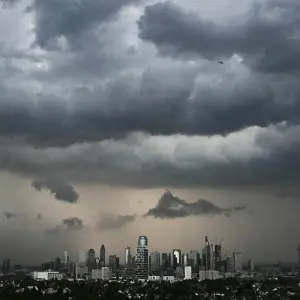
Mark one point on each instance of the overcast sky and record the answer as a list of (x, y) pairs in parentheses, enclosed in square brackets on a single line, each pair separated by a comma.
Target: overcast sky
[(170, 119)]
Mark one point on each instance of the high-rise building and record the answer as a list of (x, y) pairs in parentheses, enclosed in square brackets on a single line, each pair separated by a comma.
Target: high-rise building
[(207, 259), (91, 260), (237, 261), (128, 258), (142, 259), (81, 266), (102, 256), (218, 257), (6, 266), (164, 261), (66, 259), (185, 259), (176, 256), (250, 265), (112, 263), (155, 261), (194, 260), (57, 264)]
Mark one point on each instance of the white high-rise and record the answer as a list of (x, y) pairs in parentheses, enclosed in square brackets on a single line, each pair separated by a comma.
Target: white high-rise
[(188, 272), (142, 259)]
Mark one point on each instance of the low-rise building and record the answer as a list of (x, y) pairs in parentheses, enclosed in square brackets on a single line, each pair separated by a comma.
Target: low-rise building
[(46, 275)]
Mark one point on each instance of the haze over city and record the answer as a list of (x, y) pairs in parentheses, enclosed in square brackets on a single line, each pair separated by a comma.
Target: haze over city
[(171, 119)]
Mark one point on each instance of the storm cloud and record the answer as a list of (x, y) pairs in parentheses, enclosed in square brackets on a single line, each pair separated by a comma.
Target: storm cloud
[(61, 191), (267, 35), (111, 221), (178, 119), (172, 207)]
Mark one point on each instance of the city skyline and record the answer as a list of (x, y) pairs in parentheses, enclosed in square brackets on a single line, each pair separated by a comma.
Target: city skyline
[(171, 119)]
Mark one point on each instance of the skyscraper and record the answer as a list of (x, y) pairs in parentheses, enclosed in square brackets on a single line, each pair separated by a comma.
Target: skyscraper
[(66, 259), (142, 259), (112, 262), (6, 266), (155, 261), (127, 258), (91, 260), (102, 256), (176, 258)]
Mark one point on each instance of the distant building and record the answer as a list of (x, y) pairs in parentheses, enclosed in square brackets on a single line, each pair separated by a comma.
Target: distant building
[(176, 258), (142, 259), (102, 257), (128, 258), (66, 259), (155, 261), (194, 260), (250, 265), (188, 272), (57, 264), (112, 263), (91, 260), (210, 275), (6, 266), (106, 273), (237, 262)]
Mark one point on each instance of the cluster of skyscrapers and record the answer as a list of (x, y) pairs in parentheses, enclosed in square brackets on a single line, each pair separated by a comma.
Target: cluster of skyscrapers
[(141, 264)]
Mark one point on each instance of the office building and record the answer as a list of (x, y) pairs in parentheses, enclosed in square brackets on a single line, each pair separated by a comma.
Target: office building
[(91, 260), (250, 265), (46, 275), (102, 257), (128, 258), (66, 259), (185, 259), (113, 263), (57, 264), (142, 259), (6, 266), (217, 257), (155, 261), (176, 258), (106, 273)]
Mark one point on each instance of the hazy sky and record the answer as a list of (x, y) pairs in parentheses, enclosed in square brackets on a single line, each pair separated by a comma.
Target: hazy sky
[(170, 119)]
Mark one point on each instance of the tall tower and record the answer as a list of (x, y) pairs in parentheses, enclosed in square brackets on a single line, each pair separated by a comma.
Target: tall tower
[(65, 258), (142, 259), (102, 256)]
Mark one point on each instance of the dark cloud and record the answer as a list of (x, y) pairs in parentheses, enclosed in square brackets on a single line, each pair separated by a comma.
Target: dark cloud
[(61, 191), (267, 36), (72, 223), (110, 222), (180, 94), (172, 207), (39, 216), (69, 18), (9, 215)]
